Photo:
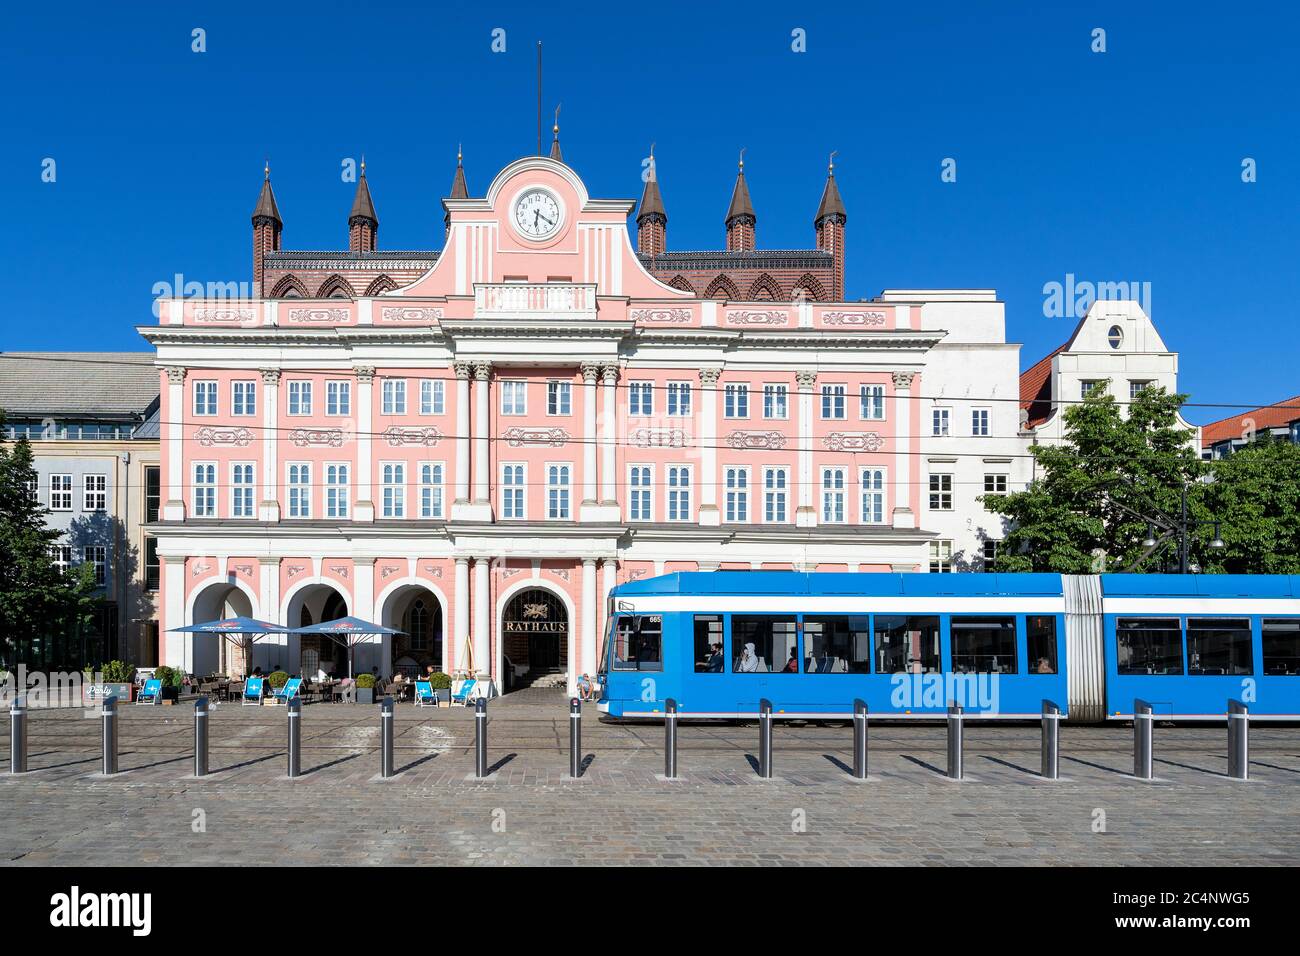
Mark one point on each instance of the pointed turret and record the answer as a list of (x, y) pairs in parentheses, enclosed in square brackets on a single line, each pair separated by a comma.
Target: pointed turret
[(740, 219), (829, 225), (267, 226), (458, 189), (555, 143), (651, 217), (363, 223)]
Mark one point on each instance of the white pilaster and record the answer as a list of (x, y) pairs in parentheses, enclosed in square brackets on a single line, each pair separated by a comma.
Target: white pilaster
[(269, 507), (805, 515), (482, 615), (461, 637), (174, 508), (463, 370), (587, 664), (364, 508), (482, 374), (173, 570), (707, 479), (608, 474), (590, 372), (903, 516)]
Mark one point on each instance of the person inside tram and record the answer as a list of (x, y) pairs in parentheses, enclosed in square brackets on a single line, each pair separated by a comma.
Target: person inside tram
[(792, 665), (1043, 666), (748, 662), (714, 665)]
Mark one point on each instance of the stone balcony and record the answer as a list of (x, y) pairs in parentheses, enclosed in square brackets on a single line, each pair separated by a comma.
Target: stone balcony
[(534, 300)]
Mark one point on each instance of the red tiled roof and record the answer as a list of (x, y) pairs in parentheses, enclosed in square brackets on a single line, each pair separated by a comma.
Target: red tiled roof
[(1276, 415), (1036, 388)]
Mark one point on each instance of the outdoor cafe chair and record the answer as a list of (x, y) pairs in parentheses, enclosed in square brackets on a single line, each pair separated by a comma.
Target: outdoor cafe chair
[(462, 696), (253, 691), (151, 692), (425, 695), (288, 692)]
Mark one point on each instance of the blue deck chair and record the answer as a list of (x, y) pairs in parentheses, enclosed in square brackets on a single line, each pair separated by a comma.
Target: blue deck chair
[(425, 695), (253, 691), (462, 696), (151, 692), (288, 692)]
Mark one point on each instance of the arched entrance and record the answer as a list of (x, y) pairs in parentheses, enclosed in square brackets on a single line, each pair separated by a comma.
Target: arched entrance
[(535, 637), (311, 653), (211, 655), (417, 610)]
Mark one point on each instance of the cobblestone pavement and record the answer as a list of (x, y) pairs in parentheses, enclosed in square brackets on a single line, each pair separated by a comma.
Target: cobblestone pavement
[(621, 811)]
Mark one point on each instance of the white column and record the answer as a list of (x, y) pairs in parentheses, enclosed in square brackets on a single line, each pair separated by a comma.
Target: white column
[(268, 596), (608, 578), (364, 508), (482, 372), (269, 508), (482, 615), (590, 372), (901, 483), (174, 415), (707, 479), (587, 663), (806, 514), (363, 606), (462, 430), (461, 613), (608, 476), (174, 645)]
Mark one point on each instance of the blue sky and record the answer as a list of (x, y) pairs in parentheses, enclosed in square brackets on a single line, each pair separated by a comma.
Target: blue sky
[(1119, 166)]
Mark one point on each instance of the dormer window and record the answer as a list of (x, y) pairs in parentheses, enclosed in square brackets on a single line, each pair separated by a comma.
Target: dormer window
[(1115, 336)]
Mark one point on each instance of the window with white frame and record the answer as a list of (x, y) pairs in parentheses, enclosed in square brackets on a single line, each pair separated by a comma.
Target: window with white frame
[(205, 398), (94, 492), (432, 396), (243, 398), (833, 401), (639, 493), (60, 492), (338, 398), (1136, 385), (871, 400), (941, 492), (33, 486), (1089, 386), (205, 489), (736, 485), (557, 491), (96, 555), (995, 484), (940, 557), (512, 491), (873, 495), (393, 396), (939, 419), (241, 489), (61, 556), (775, 494), (336, 490), (514, 397), (559, 398), (393, 482), (299, 397), (299, 489), (776, 401), (679, 399), (979, 422), (640, 398), (735, 400), (431, 489), (833, 495), (679, 493)]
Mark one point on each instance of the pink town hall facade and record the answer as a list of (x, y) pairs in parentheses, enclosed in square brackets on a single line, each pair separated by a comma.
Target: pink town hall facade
[(474, 445)]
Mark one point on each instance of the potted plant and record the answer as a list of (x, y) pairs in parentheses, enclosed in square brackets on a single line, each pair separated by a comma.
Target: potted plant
[(365, 688), (172, 678)]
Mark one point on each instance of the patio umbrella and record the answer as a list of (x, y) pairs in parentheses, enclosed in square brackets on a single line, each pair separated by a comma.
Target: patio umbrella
[(346, 631), (245, 629)]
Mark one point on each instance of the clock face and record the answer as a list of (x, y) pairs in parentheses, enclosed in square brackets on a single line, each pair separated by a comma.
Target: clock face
[(537, 214)]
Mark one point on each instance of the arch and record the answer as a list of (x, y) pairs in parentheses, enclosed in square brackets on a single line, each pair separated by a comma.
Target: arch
[(571, 613), (319, 590), (765, 289), (810, 284), (289, 287), (335, 287), (722, 288), (381, 284), (680, 282), (390, 598), (211, 601)]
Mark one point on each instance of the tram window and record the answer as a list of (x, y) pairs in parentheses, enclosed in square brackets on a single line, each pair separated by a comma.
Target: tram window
[(1219, 646), (906, 645), (1282, 646), (763, 643), (1149, 645), (1040, 644), (836, 644), (638, 643), (708, 644), (984, 645)]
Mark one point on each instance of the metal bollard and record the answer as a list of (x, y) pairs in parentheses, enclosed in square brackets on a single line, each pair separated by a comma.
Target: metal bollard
[(955, 741), (295, 737), (1143, 722), (18, 735), (386, 736), (765, 739), (1051, 741), (201, 737), (1238, 740), (575, 737), (480, 737), (108, 734), (670, 739), (860, 740)]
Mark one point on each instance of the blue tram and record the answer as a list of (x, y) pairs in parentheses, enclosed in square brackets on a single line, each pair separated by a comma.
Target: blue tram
[(909, 644)]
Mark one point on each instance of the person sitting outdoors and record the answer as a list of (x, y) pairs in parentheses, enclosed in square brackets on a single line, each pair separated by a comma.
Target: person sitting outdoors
[(584, 688)]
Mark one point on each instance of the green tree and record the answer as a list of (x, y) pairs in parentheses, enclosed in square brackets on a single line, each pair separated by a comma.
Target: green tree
[(1089, 505), (35, 596), (1256, 497)]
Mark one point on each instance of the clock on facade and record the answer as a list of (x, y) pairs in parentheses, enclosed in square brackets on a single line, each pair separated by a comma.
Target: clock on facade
[(537, 214)]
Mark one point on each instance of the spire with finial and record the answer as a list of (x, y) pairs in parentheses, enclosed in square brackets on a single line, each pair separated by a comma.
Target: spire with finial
[(555, 143), (831, 204), (458, 188), (829, 226), (363, 223), (651, 217), (267, 227), (740, 219)]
